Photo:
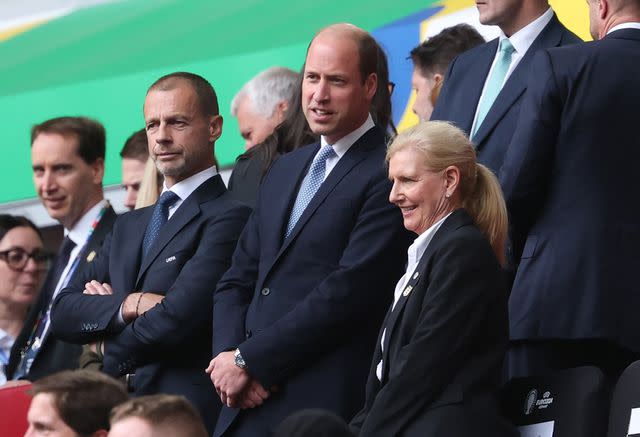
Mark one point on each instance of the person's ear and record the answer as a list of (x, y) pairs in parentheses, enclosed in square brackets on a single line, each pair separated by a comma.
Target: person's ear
[(451, 180), (281, 110), (215, 128), (97, 171), (371, 85), (438, 78)]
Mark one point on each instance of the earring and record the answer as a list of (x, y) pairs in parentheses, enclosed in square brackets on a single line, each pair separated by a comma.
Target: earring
[(447, 195)]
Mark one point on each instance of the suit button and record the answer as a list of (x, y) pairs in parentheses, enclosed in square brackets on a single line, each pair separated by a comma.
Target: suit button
[(265, 291)]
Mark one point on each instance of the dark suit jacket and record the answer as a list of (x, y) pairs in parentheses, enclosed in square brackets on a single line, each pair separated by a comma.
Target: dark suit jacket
[(245, 178), (168, 347), (571, 184), (305, 311), (55, 354), (463, 85), (444, 344)]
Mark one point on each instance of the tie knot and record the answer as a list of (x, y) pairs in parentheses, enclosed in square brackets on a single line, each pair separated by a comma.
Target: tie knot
[(326, 152), (506, 47), (168, 198)]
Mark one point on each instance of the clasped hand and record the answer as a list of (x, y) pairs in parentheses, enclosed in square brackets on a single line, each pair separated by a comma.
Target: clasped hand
[(236, 388)]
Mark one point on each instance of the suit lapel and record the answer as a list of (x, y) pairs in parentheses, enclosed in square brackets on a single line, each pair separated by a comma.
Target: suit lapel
[(481, 68), (516, 84), (418, 277), (189, 209), (91, 249)]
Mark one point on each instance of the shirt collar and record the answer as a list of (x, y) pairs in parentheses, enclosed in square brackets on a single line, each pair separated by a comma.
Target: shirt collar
[(629, 25), (522, 39), (343, 144), (420, 244), (185, 187), (78, 233)]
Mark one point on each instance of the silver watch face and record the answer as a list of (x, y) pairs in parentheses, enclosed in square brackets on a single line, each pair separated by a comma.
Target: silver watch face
[(239, 360)]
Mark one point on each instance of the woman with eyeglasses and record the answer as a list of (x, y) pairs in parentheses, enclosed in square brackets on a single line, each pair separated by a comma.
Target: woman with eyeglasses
[(23, 265)]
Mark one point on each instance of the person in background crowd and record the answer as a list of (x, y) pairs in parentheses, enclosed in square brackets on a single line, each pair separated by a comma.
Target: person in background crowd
[(134, 154), (156, 416), (483, 87), (73, 404), (438, 358), (147, 300), (570, 181), (322, 210), (67, 157), (151, 185), (431, 60), (262, 103), (22, 269)]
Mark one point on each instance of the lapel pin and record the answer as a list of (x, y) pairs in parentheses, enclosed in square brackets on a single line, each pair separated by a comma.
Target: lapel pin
[(171, 258), (415, 275), (91, 256), (407, 290)]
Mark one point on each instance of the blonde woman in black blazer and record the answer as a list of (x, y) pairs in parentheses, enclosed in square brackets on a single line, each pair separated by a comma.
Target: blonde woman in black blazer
[(440, 350)]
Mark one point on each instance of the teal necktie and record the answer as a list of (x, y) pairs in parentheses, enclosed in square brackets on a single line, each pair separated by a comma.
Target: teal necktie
[(494, 85)]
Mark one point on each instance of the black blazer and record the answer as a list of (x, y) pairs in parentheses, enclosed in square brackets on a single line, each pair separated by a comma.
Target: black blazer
[(169, 346), (463, 85), (444, 344), (55, 354), (570, 180)]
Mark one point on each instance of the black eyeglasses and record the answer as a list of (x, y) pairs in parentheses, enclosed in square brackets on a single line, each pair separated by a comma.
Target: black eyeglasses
[(17, 258)]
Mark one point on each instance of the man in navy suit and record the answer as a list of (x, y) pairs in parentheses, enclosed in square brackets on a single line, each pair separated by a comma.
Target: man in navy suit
[(296, 315), (570, 180), (148, 298), (483, 88)]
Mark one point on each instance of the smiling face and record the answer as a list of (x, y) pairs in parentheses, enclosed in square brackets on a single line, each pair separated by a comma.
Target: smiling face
[(180, 136), (417, 191), (335, 99), (20, 288), (66, 184)]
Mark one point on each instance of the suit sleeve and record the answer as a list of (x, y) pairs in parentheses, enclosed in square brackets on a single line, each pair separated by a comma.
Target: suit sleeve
[(462, 294), (335, 308), (72, 310), (188, 301), (529, 160)]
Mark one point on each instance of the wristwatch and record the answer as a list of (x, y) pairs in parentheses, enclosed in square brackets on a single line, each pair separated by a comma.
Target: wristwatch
[(239, 360)]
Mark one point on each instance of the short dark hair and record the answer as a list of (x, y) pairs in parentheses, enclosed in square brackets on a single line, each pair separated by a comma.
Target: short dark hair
[(82, 398), (162, 410), (136, 146), (203, 89), (90, 134), (8, 222), (436, 53)]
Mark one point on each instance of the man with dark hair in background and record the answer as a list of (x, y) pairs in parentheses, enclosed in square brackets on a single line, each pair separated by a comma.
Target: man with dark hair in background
[(431, 60), (67, 156), (148, 299), (73, 404), (156, 416), (297, 314), (483, 87), (134, 156)]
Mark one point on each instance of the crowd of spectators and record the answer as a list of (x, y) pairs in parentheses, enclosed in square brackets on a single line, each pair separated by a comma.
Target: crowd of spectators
[(352, 280)]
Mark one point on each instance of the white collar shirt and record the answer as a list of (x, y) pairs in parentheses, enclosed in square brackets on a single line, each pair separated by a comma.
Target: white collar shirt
[(344, 144), (629, 25), (184, 188)]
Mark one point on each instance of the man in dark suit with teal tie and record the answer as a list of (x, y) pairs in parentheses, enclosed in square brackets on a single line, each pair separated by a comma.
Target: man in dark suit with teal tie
[(483, 87), (570, 181), (148, 298)]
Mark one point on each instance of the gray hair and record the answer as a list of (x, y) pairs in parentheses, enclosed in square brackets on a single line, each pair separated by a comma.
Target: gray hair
[(266, 90)]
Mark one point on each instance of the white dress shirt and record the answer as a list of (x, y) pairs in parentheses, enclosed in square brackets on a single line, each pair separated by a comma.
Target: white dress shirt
[(414, 253), (521, 41), (184, 188), (629, 25), (344, 144)]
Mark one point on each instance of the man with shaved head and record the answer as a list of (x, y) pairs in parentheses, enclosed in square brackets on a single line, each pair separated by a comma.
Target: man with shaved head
[(570, 181), (297, 314)]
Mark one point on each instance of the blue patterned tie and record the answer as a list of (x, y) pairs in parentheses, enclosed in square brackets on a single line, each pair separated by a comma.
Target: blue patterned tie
[(495, 82), (158, 219), (310, 185)]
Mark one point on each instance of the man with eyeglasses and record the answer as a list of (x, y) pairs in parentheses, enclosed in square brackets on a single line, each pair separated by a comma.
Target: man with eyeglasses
[(67, 156)]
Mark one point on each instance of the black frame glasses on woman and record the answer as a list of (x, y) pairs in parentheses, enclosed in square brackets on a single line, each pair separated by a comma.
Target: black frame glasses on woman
[(17, 258)]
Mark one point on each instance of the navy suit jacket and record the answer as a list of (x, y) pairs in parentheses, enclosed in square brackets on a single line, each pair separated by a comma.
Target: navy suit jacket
[(571, 184), (305, 311), (444, 344), (169, 346), (56, 355), (463, 85)]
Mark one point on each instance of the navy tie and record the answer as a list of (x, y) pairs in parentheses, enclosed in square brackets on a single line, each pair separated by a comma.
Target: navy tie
[(310, 185), (158, 219)]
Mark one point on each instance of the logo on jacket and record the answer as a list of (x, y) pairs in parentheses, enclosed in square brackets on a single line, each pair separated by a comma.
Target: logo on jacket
[(530, 401)]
